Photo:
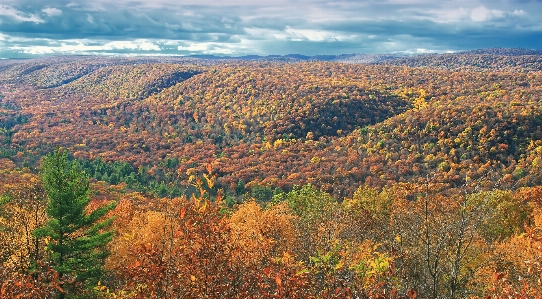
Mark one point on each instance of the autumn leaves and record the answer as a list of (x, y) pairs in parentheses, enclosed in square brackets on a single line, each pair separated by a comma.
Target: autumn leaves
[(399, 242)]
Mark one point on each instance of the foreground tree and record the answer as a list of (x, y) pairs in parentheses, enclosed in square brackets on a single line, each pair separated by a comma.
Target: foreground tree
[(24, 202), (76, 237)]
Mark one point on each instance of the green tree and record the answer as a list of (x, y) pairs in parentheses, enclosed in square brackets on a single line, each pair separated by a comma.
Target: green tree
[(506, 214), (317, 218), (76, 237)]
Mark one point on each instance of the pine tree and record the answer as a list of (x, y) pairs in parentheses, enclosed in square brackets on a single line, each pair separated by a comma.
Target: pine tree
[(76, 238)]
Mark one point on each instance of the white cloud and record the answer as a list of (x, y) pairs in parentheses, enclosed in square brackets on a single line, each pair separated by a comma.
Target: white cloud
[(6, 10), (148, 46), (294, 34), (82, 47), (193, 48), (482, 14), (170, 42), (130, 45), (316, 35), (90, 19), (520, 13), (172, 27), (36, 50), (189, 27), (120, 45), (51, 11), (89, 6), (215, 48), (207, 48), (306, 34), (476, 14), (266, 34), (454, 14)]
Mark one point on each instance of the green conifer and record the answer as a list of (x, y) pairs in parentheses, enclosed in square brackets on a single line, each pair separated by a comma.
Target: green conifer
[(76, 238)]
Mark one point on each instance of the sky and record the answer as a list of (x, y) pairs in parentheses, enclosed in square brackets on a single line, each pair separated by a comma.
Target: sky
[(34, 28)]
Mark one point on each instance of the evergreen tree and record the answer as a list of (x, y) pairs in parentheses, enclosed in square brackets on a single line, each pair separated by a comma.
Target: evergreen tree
[(76, 238)]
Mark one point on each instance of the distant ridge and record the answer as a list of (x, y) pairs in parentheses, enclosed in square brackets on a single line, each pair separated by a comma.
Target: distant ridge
[(503, 51), (346, 58), (496, 59), (360, 58), (372, 58)]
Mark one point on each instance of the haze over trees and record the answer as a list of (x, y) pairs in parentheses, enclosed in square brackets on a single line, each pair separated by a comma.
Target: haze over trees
[(403, 177)]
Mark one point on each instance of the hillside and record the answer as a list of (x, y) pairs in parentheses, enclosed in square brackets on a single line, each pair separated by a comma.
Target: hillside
[(495, 60), (278, 124)]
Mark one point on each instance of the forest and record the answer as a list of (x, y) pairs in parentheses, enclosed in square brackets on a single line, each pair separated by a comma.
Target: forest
[(178, 177)]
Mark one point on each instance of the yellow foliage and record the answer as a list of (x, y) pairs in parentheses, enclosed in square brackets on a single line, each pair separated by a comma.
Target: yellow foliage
[(261, 232)]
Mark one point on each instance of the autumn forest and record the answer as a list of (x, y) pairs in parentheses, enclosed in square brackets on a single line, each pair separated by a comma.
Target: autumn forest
[(280, 177)]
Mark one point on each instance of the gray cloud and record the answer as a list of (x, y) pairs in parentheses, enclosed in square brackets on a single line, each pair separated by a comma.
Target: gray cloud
[(239, 27)]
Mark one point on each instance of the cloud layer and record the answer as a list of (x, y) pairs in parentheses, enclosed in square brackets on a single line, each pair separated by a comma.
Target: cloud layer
[(240, 27)]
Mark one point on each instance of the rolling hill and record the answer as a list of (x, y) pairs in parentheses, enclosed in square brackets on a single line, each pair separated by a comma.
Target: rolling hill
[(449, 117)]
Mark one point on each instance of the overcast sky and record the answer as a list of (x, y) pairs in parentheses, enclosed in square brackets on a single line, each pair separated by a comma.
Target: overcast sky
[(29, 28)]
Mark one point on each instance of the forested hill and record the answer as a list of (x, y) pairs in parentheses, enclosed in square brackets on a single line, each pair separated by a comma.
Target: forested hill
[(262, 125), (497, 59)]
